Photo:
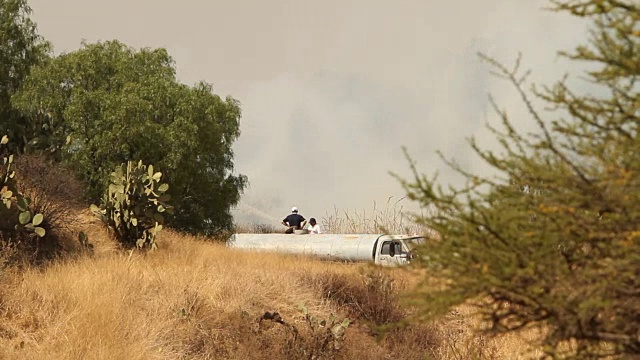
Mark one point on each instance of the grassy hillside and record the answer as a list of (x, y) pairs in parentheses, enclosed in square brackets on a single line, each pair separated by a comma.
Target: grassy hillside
[(199, 300)]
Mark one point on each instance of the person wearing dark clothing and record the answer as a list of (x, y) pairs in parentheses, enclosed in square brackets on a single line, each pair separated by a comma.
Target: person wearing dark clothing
[(294, 221)]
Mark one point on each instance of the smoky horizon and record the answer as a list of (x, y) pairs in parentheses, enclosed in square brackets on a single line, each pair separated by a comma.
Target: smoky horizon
[(332, 91)]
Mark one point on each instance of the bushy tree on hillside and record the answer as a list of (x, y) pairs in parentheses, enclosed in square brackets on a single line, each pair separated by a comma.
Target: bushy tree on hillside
[(553, 241), (21, 48), (107, 104)]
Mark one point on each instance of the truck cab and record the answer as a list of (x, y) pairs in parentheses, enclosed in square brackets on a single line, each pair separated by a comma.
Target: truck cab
[(395, 250)]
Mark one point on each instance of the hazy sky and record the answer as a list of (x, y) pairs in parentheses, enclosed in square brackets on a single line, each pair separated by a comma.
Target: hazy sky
[(331, 90)]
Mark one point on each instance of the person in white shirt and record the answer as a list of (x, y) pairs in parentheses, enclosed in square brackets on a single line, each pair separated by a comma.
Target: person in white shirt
[(314, 228)]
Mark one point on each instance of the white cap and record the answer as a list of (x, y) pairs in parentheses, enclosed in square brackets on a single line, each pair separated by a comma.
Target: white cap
[(294, 209)]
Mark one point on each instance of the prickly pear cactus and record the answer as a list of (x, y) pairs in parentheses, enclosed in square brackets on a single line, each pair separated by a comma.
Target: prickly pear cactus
[(134, 204), (14, 209)]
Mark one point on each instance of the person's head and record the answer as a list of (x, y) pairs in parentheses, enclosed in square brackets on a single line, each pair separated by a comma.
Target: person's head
[(294, 210), (312, 221)]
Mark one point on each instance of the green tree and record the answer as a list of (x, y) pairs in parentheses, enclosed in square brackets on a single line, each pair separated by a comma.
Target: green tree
[(552, 241), (21, 48), (107, 104)]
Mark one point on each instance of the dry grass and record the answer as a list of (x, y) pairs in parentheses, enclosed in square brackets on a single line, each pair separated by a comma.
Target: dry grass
[(184, 301), (257, 228), (199, 300), (392, 218)]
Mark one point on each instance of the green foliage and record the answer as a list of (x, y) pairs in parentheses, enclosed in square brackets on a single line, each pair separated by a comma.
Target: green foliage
[(21, 48), (106, 104), (134, 205), (552, 242), (15, 215)]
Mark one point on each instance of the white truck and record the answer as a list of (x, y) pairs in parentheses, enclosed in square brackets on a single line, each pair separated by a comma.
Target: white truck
[(385, 250)]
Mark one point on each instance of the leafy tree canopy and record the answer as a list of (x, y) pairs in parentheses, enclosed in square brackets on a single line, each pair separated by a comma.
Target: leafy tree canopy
[(107, 103), (553, 241), (20, 49)]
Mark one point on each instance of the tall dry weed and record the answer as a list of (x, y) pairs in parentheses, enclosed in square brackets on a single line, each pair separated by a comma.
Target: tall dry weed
[(257, 228), (392, 218)]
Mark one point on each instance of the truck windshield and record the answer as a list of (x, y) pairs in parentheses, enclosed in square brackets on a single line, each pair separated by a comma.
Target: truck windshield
[(392, 248)]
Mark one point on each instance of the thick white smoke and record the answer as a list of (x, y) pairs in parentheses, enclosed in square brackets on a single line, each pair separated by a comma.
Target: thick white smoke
[(331, 90)]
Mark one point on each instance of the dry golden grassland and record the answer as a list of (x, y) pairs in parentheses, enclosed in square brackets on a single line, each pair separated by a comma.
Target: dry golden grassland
[(194, 299)]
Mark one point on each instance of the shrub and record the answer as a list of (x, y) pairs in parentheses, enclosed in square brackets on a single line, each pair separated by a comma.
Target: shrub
[(134, 203), (372, 297), (549, 240), (19, 225), (54, 192), (323, 339)]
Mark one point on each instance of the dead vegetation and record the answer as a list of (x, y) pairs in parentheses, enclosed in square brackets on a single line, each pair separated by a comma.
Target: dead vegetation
[(194, 299), (391, 218)]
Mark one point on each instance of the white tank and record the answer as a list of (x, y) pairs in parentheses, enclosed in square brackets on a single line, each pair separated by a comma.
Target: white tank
[(351, 247)]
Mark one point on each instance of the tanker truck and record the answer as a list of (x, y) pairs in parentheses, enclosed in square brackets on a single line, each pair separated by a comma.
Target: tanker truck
[(385, 250)]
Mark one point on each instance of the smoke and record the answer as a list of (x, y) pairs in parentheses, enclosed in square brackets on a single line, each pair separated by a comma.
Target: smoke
[(332, 90)]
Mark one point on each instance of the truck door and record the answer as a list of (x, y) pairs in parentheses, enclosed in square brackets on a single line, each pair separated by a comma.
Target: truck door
[(401, 253), (392, 254)]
